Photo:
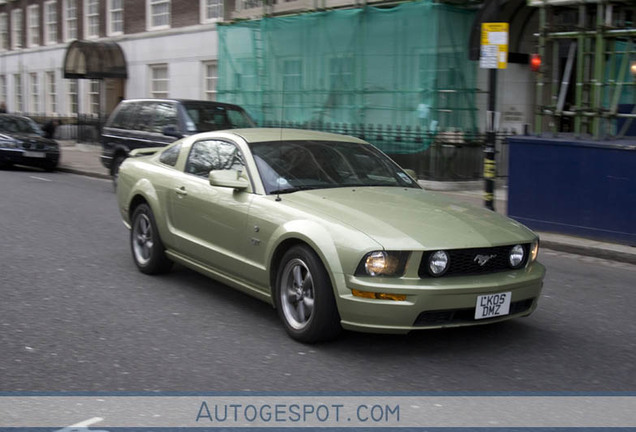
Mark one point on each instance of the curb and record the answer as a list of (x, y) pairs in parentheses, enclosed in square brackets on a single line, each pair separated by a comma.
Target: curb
[(84, 173)]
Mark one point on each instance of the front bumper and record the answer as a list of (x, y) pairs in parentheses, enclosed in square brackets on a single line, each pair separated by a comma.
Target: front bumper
[(435, 303), (42, 159)]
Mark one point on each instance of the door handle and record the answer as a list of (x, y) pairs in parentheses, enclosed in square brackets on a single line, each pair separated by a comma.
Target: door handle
[(181, 191)]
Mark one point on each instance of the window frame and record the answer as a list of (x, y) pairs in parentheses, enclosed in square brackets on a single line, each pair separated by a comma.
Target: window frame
[(66, 21), (109, 18), (33, 26), (34, 92), (50, 95), (17, 29), (150, 16), (50, 25), (205, 7), (152, 90), (5, 43), (91, 20), (210, 94)]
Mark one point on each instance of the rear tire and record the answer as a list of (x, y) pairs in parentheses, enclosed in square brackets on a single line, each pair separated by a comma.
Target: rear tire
[(304, 297), (147, 249)]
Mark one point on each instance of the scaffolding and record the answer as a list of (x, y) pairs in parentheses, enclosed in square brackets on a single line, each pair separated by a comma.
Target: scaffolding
[(586, 81), (401, 68)]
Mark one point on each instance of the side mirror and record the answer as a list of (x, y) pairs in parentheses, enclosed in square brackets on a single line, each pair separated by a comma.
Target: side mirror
[(228, 178), (172, 131)]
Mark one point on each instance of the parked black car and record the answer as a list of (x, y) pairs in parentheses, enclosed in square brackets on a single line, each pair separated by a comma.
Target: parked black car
[(22, 142), (138, 123)]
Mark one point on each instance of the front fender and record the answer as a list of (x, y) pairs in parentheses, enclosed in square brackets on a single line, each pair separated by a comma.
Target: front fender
[(339, 247)]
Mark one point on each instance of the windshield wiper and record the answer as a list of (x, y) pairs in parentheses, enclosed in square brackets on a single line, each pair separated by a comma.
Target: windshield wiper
[(296, 189)]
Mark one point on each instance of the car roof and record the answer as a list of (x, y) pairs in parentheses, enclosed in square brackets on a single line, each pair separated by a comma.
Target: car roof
[(253, 135), (182, 101)]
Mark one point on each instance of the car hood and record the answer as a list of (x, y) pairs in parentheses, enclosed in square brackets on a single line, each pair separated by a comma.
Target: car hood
[(411, 219)]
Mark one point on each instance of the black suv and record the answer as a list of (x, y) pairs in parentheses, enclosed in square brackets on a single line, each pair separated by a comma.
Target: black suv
[(138, 123)]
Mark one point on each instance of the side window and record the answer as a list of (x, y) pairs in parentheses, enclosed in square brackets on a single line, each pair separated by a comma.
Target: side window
[(165, 115), (206, 156), (124, 117), (170, 155), (143, 120)]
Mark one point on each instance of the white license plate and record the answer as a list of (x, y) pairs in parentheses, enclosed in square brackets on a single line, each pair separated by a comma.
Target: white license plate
[(32, 154), (492, 305)]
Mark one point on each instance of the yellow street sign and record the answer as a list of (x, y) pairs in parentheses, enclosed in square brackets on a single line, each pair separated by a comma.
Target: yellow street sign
[(494, 46)]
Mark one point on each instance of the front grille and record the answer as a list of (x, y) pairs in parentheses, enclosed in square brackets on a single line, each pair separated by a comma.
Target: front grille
[(462, 316), (465, 262)]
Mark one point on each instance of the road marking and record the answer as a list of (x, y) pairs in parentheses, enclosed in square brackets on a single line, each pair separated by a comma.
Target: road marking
[(82, 424), (40, 178)]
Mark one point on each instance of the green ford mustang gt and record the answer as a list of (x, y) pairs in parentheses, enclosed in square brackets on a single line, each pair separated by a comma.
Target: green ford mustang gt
[(328, 230)]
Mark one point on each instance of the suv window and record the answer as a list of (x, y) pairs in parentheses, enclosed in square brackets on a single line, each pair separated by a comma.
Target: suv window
[(204, 117), (165, 115), (143, 119), (124, 117)]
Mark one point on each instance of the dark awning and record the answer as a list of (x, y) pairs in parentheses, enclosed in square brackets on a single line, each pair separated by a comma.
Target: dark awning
[(94, 60)]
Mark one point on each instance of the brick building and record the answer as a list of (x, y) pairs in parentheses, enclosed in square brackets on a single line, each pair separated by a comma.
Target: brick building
[(169, 48)]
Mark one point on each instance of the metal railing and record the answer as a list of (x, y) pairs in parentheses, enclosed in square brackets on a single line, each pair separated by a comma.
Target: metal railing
[(445, 155)]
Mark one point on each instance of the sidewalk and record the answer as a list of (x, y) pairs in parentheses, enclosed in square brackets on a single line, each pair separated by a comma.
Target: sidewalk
[(83, 159)]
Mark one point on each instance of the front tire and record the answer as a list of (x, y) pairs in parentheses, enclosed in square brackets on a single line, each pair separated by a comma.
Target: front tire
[(147, 249), (304, 297)]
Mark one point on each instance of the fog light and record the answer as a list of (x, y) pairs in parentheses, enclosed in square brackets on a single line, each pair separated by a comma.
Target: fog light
[(438, 263), (517, 255)]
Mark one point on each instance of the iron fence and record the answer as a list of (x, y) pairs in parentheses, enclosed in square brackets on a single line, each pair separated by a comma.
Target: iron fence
[(445, 155)]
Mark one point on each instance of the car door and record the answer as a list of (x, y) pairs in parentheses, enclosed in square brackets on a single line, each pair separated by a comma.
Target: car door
[(210, 221)]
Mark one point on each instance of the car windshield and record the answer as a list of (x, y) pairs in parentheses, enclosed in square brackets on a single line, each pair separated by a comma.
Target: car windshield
[(10, 124), (205, 117), (290, 166)]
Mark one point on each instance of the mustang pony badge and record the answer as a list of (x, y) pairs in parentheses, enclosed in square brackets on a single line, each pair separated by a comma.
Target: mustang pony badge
[(483, 259)]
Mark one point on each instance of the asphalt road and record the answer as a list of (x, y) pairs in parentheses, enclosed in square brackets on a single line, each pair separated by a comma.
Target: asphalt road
[(76, 315)]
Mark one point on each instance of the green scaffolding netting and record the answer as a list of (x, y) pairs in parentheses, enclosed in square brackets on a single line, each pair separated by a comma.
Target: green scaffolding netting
[(401, 70)]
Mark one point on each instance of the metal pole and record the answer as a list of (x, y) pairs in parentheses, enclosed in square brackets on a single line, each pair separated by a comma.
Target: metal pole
[(490, 169)]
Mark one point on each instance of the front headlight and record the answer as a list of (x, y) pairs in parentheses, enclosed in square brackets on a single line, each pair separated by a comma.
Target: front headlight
[(8, 143), (382, 263), (517, 256)]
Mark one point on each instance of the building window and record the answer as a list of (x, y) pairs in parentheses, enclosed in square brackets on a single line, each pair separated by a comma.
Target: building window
[(93, 95), (159, 81), (35, 93), (50, 18), (3, 91), (341, 80), (19, 101), (91, 18), (16, 28), (115, 17), (70, 20), (51, 93), (210, 76), (72, 96), (211, 10), (33, 30), (158, 13), (4, 32)]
